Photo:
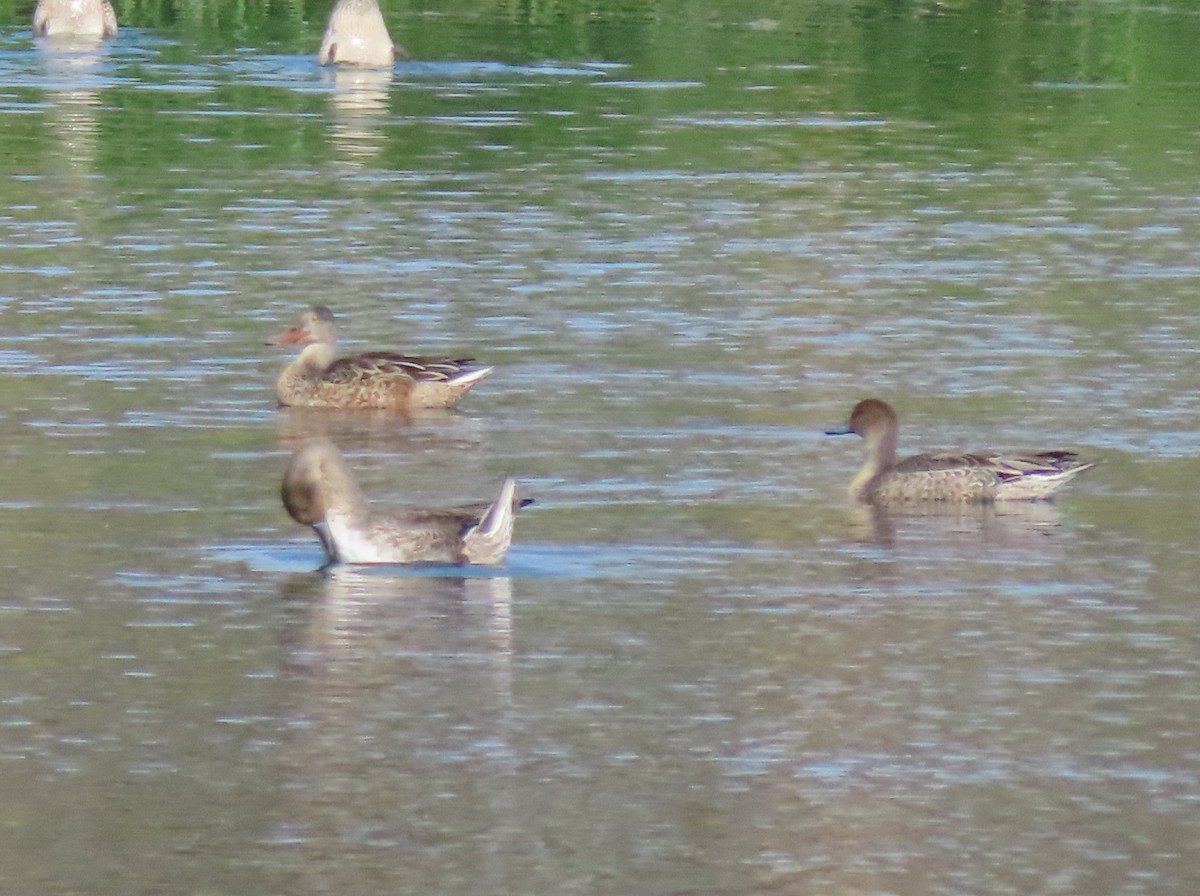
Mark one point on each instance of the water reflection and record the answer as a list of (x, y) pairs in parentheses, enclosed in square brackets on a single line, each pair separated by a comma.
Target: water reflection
[(974, 528), (71, 66), (353, 614), (403, 691), (360, 102), (431, 429)]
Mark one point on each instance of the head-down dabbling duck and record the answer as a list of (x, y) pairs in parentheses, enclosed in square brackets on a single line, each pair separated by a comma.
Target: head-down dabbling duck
[(356, 34), (319, 491)]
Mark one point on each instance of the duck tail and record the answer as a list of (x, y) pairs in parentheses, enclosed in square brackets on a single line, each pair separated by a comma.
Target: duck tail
[(470, 376), (491, 537)]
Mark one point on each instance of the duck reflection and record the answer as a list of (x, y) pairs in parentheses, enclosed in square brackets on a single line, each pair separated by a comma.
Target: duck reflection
[(70, 65), (432, 429), (360, 103), (975, 528), (403, 700), (352, 611)]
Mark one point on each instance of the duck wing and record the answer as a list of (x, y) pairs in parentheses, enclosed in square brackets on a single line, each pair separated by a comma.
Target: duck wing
[(944, 461), (371, 365), (1004, 467)]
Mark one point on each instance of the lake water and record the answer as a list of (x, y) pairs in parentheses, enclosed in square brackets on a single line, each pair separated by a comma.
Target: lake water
[(689, 237)]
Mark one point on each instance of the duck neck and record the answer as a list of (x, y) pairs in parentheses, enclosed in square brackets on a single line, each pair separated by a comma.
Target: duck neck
[(881, 457), (300, 376)]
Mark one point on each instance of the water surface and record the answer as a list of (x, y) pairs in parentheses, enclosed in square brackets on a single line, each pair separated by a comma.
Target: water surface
[(689, 240)]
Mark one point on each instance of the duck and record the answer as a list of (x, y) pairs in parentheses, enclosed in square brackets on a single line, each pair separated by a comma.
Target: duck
[(948, 477), (74, 18), (356, 34), (318, 490), (318, 379)]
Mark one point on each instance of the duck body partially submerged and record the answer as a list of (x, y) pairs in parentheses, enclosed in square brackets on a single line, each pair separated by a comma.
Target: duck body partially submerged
[(356, 34), (74, 18)]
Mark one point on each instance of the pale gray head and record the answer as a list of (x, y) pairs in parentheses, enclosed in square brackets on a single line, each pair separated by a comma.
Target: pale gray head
[(316, 481)]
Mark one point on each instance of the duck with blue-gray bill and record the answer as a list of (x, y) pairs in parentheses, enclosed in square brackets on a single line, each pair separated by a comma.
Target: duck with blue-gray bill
[(948, 477)]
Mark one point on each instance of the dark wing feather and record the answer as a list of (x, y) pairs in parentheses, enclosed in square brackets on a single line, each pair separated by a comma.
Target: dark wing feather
[(385, 364), (945, 461), (1045, 463), (1005, 466)]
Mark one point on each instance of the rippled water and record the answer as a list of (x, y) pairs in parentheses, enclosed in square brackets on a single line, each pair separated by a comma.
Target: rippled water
[(703, 670)]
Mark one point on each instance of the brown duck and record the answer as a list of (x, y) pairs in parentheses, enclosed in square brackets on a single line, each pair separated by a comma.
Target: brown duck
[(948, 477), (316, 379)]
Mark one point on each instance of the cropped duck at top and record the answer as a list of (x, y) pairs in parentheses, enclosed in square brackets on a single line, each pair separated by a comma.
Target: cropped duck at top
[(74, 18), (315, 379), (319, 491), (356, 34), (948, 477)]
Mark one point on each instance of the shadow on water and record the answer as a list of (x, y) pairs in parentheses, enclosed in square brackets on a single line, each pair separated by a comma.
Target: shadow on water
[(645, 563), (302, 72)]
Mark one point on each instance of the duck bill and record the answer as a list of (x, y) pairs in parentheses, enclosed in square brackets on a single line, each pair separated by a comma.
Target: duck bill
[(296, 335), (331, 552), (843, 430)]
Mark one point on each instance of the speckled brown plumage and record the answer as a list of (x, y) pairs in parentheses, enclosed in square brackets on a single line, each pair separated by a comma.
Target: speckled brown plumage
[(950, 477), (317, 379)]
